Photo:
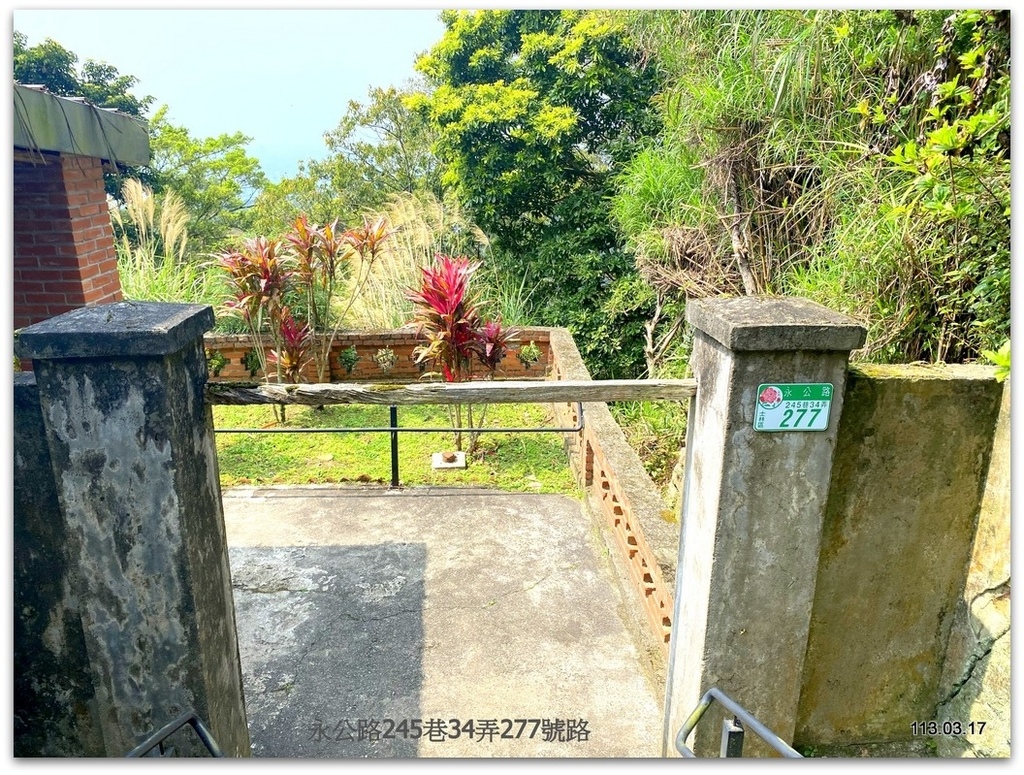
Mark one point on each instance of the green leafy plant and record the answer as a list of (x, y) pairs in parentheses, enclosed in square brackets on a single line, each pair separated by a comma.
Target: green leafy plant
[(1001, 359), (348, 358), (251, 361), (215, 361), (528, 354)]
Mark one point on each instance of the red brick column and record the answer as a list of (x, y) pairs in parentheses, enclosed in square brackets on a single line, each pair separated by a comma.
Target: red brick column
[(63, 244)]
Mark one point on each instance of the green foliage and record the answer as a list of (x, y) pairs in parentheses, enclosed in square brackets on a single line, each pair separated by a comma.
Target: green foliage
[(1001, 359), (534, 110), (214, 176), (348, 358), (860, 158), (380, 148)]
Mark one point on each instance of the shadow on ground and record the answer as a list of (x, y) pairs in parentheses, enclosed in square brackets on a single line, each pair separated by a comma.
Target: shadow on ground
[(331, 637)]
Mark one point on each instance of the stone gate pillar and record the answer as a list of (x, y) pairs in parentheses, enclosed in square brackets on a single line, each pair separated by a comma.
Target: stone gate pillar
[(131, 446), (753, 505)]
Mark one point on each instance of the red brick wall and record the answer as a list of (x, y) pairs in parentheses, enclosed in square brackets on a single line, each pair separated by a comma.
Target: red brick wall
[(234, 347), (64, 254)]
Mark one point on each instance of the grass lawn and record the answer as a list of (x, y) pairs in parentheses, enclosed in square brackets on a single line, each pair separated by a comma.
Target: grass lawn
[(520, 462)]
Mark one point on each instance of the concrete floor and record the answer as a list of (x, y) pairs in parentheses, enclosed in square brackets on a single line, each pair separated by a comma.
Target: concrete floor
[(359, 609)]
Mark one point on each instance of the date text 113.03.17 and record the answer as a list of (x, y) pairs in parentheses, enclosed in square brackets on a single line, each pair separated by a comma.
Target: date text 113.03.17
[(945, 728)]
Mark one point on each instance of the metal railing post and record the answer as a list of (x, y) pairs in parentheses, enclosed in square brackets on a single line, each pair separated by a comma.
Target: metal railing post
[(394, 445), (732, 739)]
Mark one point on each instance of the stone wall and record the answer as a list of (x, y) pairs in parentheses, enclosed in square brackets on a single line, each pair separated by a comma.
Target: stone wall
[(910, 470)]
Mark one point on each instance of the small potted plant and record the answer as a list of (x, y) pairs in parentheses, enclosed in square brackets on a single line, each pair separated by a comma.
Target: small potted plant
[(348, 358), (528, 354), (385, 358), (215, 361), (251, 361)]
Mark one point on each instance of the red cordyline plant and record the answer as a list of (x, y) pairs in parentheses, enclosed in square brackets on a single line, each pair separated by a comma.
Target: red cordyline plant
[(321, 253), (308, 261), (292, 352), (448, 316), (259, 277)]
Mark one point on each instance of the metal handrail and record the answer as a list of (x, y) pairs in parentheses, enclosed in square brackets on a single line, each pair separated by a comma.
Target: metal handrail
[(437, 429), (741, 715), (160, 736), (394, 430)]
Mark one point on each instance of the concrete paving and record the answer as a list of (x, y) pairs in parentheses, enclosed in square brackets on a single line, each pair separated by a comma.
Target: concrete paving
[(376, 623)]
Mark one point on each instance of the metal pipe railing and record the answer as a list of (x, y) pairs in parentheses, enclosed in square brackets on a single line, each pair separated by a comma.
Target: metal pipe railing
[(732, 734), (394, 429), (159, 737)]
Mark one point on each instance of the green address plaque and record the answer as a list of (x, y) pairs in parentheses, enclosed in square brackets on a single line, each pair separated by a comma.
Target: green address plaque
[(797, 406)]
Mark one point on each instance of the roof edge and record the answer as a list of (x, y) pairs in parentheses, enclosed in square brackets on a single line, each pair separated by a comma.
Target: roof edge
[(45, 122)]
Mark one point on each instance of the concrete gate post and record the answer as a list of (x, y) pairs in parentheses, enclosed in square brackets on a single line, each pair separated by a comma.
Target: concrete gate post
[(752, 510), (131, 446)]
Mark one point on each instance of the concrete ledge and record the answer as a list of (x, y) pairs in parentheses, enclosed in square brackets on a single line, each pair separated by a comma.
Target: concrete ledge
[(758, 323), (630, 502), (121, 329), (46, 122)]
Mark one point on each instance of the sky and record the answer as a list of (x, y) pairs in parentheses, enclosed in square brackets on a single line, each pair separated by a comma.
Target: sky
[(281, 77)]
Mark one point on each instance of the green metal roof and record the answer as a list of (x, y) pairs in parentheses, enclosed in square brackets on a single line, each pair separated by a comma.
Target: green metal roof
[(46, 122)]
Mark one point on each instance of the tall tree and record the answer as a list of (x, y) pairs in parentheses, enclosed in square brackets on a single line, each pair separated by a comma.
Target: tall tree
[(380, 148), (214, 176), (535, 111)]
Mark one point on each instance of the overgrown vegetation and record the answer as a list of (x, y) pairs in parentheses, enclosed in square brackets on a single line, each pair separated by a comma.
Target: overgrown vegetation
[(860, 158)]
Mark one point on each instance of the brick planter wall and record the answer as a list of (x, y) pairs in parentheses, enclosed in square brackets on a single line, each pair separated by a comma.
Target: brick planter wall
[(235, 346)]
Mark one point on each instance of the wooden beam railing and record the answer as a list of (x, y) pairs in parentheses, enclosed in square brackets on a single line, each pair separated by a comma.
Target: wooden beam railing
[(483, 392)]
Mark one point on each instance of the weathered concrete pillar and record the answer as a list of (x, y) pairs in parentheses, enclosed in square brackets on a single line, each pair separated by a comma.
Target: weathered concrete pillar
[(131, 447), (752, 507)]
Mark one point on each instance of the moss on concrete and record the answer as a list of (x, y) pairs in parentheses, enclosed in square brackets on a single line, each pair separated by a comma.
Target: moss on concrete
[(911, 461)]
